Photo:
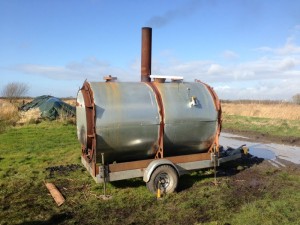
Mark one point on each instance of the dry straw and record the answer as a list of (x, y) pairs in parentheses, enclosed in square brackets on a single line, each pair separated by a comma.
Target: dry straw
[(8, 112), (272, 111), (30, 116)]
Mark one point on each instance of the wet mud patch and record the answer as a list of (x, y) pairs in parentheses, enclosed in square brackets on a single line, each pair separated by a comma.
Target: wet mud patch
[(256, 181), (246, 186), (62, 169)]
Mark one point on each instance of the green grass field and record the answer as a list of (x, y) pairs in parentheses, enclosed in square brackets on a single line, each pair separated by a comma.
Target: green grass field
[(49, 151), (268, 126)]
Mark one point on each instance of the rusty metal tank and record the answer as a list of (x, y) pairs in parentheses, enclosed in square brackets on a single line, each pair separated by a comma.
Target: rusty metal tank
[(135, 121)]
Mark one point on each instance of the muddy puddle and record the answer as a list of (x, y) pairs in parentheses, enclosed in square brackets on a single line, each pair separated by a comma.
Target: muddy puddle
[(268, 151)]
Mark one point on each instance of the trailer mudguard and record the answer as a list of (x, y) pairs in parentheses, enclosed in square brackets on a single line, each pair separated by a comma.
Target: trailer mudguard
[(154, 164)]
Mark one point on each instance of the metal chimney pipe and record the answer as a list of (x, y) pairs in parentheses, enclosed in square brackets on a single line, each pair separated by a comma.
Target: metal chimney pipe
[(146, 54)]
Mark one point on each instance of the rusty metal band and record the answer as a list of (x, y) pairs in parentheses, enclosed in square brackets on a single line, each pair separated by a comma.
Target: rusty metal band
[(89, 150), (160, 152), (219, 110)]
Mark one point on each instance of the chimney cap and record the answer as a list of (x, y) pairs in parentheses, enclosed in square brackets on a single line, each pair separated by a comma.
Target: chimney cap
[(172, 78), (109, 78)]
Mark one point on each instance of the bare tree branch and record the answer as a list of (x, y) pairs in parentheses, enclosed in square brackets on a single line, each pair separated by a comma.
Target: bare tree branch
[(15, 90)]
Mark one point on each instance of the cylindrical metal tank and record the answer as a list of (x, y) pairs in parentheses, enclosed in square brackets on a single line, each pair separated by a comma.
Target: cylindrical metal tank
[(132, 121)]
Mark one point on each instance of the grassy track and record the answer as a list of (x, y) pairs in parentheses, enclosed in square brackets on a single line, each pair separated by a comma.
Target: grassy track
[(272, 120), (257, 195), (274, 127)]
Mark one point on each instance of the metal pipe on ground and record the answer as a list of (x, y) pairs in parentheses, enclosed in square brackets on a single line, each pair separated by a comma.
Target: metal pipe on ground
[(146, 54)]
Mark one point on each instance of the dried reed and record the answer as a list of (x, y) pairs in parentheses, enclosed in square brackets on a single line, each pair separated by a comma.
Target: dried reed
[(272, 111), (8, 112), (30, 116)]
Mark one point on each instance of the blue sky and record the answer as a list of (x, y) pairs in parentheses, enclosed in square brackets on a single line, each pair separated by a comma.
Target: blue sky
[(245, 49)]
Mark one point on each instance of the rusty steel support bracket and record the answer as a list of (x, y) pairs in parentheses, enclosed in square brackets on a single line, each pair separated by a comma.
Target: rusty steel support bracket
[(89, 151), (160, 151)]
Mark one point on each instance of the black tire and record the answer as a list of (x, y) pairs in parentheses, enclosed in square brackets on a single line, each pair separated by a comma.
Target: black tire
[(166, 176)]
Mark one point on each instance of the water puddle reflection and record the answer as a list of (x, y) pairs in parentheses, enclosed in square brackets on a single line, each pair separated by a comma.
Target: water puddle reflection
[(262, 153), (261, 150)]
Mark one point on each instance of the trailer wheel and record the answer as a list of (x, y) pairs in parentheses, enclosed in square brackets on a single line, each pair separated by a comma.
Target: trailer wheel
[(163, 177)]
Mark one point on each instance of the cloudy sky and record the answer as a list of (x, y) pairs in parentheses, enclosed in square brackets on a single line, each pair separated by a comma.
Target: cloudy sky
[(245, 49)]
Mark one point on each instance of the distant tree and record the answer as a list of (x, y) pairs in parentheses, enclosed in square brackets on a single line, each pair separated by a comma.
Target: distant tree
[(296, 99), (13, 91)]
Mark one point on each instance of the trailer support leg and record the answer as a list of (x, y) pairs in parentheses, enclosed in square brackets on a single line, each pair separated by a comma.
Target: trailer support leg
[(104, 175), (215, 161)]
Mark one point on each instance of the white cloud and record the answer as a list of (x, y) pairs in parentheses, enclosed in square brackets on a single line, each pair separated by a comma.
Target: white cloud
[(289, 48), (281, 90), (287, 63), (215, 69), (265, 68), (222, 88), (90, 68), (229, 55), (275, 75)]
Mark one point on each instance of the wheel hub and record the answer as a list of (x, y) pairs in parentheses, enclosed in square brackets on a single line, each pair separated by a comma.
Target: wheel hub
[(163, 180)]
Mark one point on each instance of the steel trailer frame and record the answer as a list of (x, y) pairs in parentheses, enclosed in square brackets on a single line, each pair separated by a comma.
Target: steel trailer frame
[(144, 168)]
